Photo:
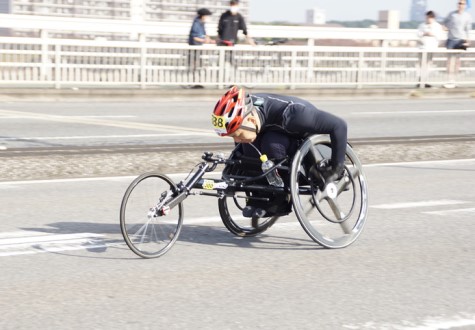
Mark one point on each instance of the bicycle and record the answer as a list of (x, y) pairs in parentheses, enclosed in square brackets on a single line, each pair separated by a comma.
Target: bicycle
[(333, 214)]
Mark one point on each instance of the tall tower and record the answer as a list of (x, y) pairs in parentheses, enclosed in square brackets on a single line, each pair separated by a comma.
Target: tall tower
[(418, 10), (316, 16)]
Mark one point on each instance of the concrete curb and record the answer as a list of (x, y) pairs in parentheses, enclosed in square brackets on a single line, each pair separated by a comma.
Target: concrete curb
[(127, 94)]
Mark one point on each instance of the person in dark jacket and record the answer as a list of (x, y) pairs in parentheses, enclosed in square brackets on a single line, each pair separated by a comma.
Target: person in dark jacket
[(274, 124), (198, 37), (229, 25), (198, 34)]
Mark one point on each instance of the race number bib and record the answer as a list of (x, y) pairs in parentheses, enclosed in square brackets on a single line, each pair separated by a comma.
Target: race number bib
[(208, 184), (219, 124)]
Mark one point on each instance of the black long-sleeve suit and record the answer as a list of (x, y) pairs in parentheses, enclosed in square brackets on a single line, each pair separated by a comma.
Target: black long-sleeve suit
[(289, 116)]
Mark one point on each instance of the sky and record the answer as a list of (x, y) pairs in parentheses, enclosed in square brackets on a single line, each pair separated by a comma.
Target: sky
[(342, 10)]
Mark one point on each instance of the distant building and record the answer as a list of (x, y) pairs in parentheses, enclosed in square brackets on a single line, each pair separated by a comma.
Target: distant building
[(5, 7), (418, 10), (389, 19), (127, 10), (146, 10), (316, 16)]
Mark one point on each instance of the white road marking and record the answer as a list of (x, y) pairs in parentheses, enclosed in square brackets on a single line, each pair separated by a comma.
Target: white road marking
[(20, 234), (418, 204), (175, 176), (75, 180), (423, 162), (85, 137), (23, 117), (428, 324), (102, 116), (102, 122), (28, 242), (409, 112), (46, 238), (421, 139), (448, 212)]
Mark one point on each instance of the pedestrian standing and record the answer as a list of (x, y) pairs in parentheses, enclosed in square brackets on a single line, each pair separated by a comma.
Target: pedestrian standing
[(458, 25), (198, 34), (198, 37), (430, 33), (229, 25)]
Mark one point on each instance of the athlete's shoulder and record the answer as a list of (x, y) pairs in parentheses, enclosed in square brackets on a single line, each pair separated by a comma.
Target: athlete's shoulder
[(272, 96)]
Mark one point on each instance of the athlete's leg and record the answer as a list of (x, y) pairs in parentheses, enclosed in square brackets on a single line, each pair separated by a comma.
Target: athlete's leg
[(276, 146)]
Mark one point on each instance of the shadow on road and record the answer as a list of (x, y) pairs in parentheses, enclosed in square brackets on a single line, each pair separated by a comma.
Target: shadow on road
[(190, 234)]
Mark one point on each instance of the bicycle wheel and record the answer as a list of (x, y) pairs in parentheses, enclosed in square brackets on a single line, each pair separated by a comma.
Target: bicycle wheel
[(230, 209), (335, 216), (146, 229)]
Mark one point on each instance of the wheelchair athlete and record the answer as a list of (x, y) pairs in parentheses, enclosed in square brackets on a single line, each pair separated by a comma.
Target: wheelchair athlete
[(275, 124)]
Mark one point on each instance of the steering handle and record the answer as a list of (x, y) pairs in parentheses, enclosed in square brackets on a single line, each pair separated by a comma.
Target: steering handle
[(219, 159)]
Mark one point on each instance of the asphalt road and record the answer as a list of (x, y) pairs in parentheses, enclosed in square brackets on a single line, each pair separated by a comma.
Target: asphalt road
[(65, 266), (43, 124)]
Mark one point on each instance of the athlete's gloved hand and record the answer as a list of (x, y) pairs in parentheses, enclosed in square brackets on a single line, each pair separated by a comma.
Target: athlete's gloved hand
[(323, 170)]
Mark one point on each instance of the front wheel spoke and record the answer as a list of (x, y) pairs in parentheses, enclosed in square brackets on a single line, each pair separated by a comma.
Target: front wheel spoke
[(333, 202), (140, 230), (339, 215), (144, 232)]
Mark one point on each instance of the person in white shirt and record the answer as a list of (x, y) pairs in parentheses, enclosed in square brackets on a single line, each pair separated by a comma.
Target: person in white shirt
[(430, 33)]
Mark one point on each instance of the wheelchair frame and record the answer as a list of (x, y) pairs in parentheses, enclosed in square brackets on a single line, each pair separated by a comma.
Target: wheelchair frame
[(157, 229)]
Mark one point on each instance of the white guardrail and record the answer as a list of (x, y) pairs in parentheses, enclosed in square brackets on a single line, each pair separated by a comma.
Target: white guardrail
[(66, 63), (62, 63)]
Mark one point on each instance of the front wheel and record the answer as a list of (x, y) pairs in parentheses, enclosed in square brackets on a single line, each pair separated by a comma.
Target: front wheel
[(149, 229)]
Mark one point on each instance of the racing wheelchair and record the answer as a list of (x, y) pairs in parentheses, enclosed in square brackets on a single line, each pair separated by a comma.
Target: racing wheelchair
[(333, 213)]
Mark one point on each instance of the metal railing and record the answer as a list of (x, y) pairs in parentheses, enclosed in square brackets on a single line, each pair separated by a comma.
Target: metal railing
[(62, 63)]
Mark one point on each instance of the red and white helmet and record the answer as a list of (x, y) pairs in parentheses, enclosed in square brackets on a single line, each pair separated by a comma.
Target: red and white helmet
[(230, 111)]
